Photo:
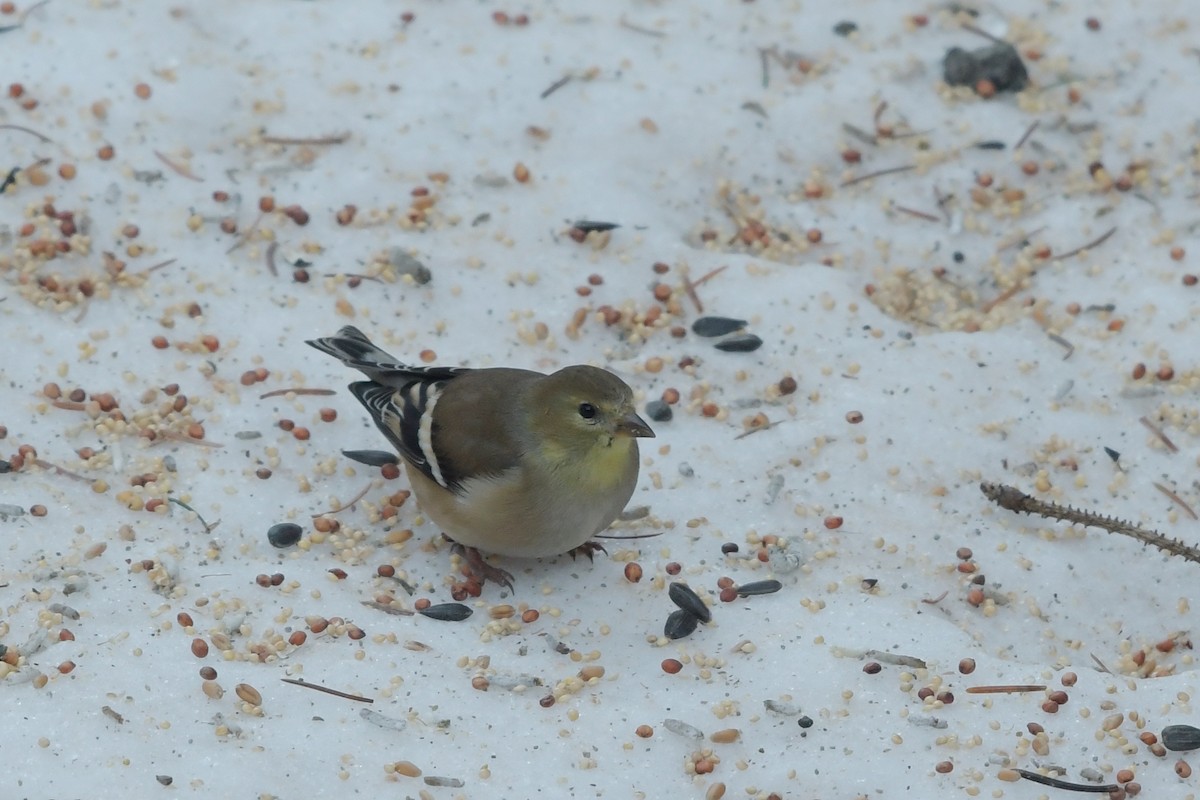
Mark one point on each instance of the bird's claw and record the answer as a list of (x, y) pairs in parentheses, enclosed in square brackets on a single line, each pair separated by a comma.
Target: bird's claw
[(587, 549), (482, 570)]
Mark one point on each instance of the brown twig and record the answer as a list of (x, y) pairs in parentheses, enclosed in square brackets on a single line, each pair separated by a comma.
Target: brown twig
[(1058, 783), (1007, 688), (1000, 298), (1094, 243), (176, 437), (159, 265), (879, 109), (270, 255), (1020, 238), (207, 528), (68, 405), (1176, 499), (337, 138), (1013, 499), (1157, 431), (179, 169), (345, 506), (558, 84), (1028, 132), (60, 470), (354, 275), (639, 29), (966, 26), (393, 610), (915, 213), (933, 601), (45, 139), (860, 134), (1061, 342), (760, 428), (298, 392), (245, 237), (327, 690), (689, 286), (878, 174)]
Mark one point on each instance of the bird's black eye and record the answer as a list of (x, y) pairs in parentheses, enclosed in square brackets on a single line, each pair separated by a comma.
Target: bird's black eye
[(587, 410)]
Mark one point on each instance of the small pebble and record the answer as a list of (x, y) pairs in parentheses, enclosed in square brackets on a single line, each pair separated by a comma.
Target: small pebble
[(285, 534), (659, 411)]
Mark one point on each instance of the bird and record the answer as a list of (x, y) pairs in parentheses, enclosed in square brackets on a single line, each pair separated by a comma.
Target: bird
[(506, 461)]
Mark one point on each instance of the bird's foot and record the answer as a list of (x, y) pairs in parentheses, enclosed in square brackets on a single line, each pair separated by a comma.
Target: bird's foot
[(482, 571), (587, 549)]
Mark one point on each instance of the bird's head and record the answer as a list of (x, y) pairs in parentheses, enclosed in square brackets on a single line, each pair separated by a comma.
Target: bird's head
[(581, 407)]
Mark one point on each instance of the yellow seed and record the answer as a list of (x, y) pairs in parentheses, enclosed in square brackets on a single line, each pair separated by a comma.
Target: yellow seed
[(407, 769), (726, 735), (213, 690), (503, 611), (248, 694), (591, 671), (715, 792)]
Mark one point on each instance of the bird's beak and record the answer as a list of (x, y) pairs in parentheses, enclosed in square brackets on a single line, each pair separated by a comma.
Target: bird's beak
[(633, 425)]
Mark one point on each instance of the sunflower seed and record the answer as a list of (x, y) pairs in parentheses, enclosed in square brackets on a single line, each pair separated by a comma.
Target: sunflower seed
[(372, 458), (759, 587), (683, 596), (680, 624), (744, 343), (448, 612), (717, 326), (1181, 737)]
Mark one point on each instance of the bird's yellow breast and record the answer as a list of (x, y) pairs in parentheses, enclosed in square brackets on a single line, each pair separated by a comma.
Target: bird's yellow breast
[(603, 465)]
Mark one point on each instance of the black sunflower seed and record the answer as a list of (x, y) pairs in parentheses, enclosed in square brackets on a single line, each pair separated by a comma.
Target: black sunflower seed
[(372, 458), (683, 596), (448, 612), (680, 624), (1181, 737), (759, 587), (744, 343), (717, 326)]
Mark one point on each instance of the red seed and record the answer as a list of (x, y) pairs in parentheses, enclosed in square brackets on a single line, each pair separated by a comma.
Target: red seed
[(833, 522), (671, 666), (199, 648), (633, 572)]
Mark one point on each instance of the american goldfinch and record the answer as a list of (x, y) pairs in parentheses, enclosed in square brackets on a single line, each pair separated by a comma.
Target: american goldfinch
[(507, 461)]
